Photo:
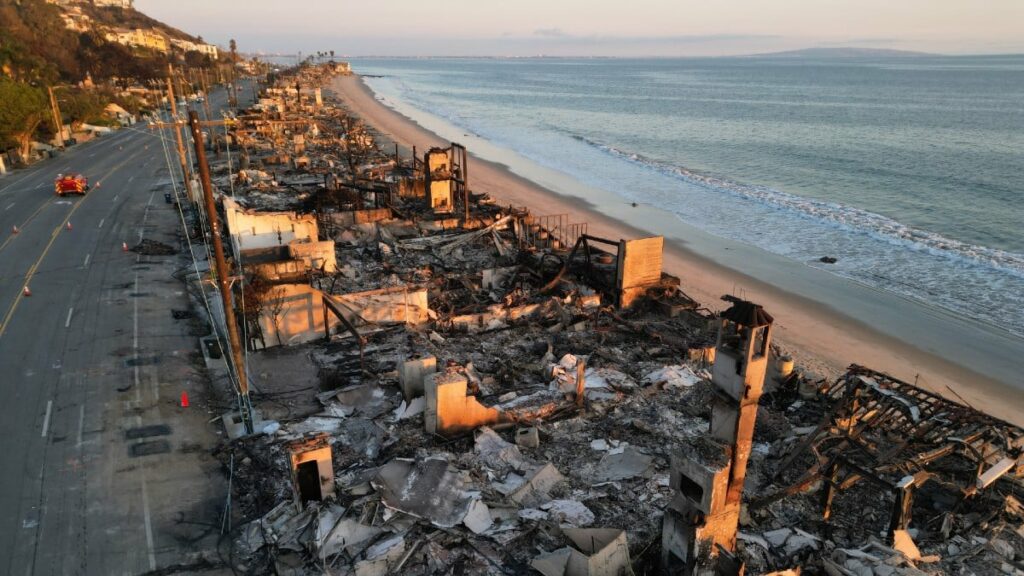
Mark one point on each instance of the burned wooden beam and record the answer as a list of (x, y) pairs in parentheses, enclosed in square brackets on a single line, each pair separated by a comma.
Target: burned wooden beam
[(878, 427)]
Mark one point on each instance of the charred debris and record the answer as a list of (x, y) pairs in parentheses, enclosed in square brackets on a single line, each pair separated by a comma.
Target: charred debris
[(446, 385)]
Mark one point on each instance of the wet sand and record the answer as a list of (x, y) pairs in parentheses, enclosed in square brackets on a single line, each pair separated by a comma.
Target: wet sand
[(819, 335)]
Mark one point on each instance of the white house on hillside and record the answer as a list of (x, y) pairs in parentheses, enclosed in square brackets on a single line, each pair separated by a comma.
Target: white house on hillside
[(189, 46), (113, 3), (139, 37)]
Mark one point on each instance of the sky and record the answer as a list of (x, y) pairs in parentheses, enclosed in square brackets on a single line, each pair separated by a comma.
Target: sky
[(597, 27)]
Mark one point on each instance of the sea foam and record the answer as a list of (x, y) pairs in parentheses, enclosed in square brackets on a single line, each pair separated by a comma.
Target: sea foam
[(977, 282), (847, 217)]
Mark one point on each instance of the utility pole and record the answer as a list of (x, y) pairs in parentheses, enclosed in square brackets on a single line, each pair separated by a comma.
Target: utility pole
[(223, 274), (233, 92), (180, 82), (206, 108), (58, 125), (177, 133), (206, 95)]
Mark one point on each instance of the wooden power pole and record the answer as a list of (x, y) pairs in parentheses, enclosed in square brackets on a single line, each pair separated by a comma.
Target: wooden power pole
[(223, 273), (206, 109), (177, 133)]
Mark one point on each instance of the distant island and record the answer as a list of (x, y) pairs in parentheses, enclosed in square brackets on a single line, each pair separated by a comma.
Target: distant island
[(845, 52)]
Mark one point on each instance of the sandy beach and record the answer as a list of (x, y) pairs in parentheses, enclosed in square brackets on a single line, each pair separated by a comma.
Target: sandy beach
[(821, 337)]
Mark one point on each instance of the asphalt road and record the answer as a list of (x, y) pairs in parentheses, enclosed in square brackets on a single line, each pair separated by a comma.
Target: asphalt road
[(103, 471)]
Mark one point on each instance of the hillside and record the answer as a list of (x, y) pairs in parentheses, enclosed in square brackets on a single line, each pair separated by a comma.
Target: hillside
[(91, 56), (33, 45), (131, 18), (47, 43)]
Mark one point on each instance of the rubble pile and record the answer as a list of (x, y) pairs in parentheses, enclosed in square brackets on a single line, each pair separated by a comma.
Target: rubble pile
[(149, 247), (502, 393)]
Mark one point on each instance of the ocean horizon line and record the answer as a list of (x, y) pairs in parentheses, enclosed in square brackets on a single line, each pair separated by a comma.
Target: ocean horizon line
[(782, 54)]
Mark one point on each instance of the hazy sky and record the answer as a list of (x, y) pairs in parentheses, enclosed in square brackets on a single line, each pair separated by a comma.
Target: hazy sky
[(597, 27)]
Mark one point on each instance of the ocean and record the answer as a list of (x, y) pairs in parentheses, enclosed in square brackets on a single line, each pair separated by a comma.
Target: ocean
[(909, 171)]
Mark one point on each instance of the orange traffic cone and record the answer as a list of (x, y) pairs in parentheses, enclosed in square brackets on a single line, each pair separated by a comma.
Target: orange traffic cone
[(14, 230), (124, 246), (184, 399), (69, 225), (26, 291)]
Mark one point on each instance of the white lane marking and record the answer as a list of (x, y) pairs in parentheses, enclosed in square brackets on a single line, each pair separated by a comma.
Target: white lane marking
[(86, 263), (102, 220), (67, 322), (145, 216), (131, 178), (149, 525), (138, 258), (138, 402), (46, 419), (91, 155), (115, 197), (135, 338), (81, 422), (9, 206), (30, 174)]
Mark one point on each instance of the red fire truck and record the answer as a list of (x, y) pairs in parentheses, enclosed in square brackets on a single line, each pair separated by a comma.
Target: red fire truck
[(70, 184)]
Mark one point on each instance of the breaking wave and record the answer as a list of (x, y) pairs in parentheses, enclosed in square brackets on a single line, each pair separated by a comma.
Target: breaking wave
[(972, 281), (846, 217)]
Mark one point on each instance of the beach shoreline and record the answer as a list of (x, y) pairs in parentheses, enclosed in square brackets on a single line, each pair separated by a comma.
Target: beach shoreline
[(821, 338)]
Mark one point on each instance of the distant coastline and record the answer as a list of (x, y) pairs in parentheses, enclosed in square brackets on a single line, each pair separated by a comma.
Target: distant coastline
[(838, 53), (846, 52)]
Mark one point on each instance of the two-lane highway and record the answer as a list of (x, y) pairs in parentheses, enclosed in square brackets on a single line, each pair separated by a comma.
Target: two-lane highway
[(41, 217), (104, 472)]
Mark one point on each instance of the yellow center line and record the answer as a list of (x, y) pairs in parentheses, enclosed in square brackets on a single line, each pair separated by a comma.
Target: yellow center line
[(53, 237)]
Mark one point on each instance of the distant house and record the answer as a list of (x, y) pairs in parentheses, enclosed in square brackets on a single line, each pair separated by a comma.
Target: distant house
[(246, 66), (189, 46), (75, 20), (342, 68), (152, 39), (183, 45), (113, 3), (208, 49), (100, 3), (139, 38), (119, 35)]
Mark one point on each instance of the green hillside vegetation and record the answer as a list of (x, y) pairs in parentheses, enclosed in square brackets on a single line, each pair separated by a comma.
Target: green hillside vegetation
[(36, 47), (130, 18), (24, 109), (37, 50), (26, 113)]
